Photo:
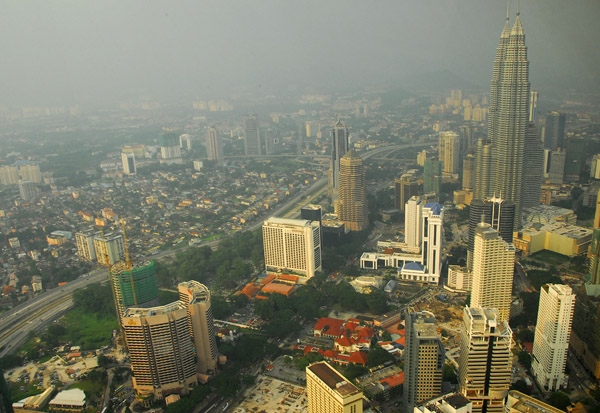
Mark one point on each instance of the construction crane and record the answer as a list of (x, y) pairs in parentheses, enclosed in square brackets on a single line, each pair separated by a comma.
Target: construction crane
[(128, 264)]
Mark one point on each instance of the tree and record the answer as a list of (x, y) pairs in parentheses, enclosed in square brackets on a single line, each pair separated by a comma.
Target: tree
[(378, 356), (560, 400), (521, 385), (450, 374), (525, 359)]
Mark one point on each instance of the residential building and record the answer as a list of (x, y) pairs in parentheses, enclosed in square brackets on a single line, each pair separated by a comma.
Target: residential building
[(9, 175), (109, 248), (28, 191), (552, 334), (405, 188), (423, 359), (185, 141), (330, 392), (196, 297), (29, 171), (169, 148), (485, 360), (292, 245), (85, 245), (449, 152), (252, 136), (493, 268), (212, 146), (351, 205), (129, 166), (133, 286)]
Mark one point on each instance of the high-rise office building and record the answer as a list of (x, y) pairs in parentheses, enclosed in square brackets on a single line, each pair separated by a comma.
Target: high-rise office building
[(405, 188), (129, 166), (468, 176), (28, 191), (85, 245), (412, 222), (533, 168), (351, 205), (328, 391), (212, 145), (493, 268), (432, 225), (171, 345), (556, 166), (311, 212), (449, 152), (109, 248), (292, 245), (339, 147), (196, 297), (483, 165), (467, 142), (485, 360), (577, 155), (134, 286), (508, 118), (497, 212), (252, 137), (169, 148), (9, 175), (423, 359), (554, 134), (552, 334), (432, 176)]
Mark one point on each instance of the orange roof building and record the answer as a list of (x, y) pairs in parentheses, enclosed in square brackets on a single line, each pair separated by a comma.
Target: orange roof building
[(278, 288)]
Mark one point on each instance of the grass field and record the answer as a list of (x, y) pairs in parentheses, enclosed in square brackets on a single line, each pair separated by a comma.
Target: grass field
[(550, 257), (89, 331)]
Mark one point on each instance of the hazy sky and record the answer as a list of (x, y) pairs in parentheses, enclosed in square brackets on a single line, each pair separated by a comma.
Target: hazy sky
[(69, 51)]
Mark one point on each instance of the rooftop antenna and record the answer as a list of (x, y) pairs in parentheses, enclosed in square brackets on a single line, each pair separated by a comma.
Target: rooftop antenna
[(507, 8)]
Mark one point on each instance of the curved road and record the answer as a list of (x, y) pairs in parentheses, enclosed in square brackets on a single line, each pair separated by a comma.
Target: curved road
[(17, 323)]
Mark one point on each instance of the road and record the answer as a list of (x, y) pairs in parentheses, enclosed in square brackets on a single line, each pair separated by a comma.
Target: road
[(32, 315)]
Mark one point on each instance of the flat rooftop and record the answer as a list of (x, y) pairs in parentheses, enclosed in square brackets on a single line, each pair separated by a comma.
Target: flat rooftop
[(333, 379)]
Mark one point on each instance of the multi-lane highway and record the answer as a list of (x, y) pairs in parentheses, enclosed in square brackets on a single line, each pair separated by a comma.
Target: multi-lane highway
[(34, 314)]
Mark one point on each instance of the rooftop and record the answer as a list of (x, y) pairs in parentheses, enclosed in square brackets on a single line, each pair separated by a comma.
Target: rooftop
[(333, 379)]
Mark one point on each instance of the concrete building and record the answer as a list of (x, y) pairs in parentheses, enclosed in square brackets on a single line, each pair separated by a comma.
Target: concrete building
[(29, 171), (585, 338), (196, 297), (339, 146), (432, 176), (559, 237), (423, 359), (448, 403), (493, 268), (28, 191), (595, 167), (468, 177), (449, 153), (252, 137), (413, 221), (351, 206), (161, 351), (330, 392), (533, 167), (129, 166), (497, 212), (9, 175), (485, 360), (185, 141), (518, 402), (85, 245), (134, 286), (552, 334), (213, 149), (292, 245), (433, 217), (169, 148), (554, 132), (483, 165), (109, 248), (556, 167), (405, 188)]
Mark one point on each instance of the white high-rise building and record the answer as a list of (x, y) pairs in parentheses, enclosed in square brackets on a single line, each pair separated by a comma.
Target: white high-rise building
[(185, 141), (212, 145), (449, 152), (292, 245), (128, 160), (109, 248), (28, 191), (485, 360), (433, 216), (552, 333), (493, 268), (412, 222), (85, 245)]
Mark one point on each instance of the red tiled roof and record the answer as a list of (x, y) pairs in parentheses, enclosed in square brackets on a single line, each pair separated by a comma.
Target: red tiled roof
[(335, 326), (343, 341), (528, 347), (278, 288), (395, 380), (358, 357)]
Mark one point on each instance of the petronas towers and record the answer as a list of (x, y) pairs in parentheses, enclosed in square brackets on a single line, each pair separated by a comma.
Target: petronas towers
[(500, 159)]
